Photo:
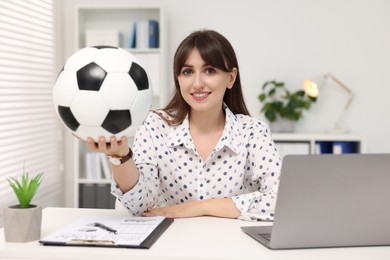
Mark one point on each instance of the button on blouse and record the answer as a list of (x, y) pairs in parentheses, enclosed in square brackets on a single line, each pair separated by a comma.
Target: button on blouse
[(244, 166)]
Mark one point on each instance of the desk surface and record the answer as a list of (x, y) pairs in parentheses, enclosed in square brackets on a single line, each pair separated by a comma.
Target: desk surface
[(203, 238)]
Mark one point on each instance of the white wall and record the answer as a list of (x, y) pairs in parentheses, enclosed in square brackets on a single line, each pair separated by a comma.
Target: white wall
[(291, 40)]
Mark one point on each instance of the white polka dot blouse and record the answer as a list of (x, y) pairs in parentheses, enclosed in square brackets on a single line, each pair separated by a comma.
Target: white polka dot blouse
[(244, 165)]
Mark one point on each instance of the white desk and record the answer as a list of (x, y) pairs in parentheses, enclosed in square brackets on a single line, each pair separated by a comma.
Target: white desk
[(186, 239)]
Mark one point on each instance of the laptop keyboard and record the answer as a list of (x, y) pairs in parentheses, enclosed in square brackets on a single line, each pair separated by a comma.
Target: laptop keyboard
[(266, 236)]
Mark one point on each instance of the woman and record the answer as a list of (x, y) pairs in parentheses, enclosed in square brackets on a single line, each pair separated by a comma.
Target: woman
[(202, 154)]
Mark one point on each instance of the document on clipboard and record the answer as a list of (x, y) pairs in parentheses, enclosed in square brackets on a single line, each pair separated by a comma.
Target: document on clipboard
[(110, 231)]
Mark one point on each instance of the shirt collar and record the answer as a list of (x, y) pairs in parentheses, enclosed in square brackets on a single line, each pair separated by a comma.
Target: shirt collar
[(180, 135), (229, 136)]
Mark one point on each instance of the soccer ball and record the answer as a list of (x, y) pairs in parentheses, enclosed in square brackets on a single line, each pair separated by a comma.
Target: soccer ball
[(102, 91)]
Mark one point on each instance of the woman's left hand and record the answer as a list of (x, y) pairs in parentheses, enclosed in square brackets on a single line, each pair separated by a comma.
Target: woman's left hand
[(223, 207), (184, 210)]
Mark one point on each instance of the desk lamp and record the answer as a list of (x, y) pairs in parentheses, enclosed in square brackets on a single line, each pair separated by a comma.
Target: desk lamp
[(312, 88)]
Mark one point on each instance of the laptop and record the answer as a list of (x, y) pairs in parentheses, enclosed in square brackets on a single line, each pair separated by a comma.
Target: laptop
[(330, 201)]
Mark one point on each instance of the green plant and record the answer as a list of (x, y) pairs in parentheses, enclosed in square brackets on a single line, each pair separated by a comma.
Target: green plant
[(278, 101), (25, 189)]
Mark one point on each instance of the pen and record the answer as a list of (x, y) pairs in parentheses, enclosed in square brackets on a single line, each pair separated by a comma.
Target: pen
[(100, 225)]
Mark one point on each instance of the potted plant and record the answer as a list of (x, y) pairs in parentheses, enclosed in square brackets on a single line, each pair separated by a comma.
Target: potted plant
[(282, 107), (22, 222)]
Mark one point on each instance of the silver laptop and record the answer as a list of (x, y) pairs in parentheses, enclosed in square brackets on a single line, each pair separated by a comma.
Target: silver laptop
[(330, 201)]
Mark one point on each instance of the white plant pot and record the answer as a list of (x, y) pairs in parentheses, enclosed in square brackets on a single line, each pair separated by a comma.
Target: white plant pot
[(22, 224), (282, 125)]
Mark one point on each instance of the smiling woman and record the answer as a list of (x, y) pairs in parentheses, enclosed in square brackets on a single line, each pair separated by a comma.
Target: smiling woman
[(202, 154), (28, 125)]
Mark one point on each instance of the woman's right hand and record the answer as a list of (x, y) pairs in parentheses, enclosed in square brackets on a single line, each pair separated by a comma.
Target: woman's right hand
[(126, 175), (113, 147)]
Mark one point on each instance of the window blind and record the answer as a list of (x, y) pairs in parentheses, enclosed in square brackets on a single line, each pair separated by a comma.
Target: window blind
[(29, 129)]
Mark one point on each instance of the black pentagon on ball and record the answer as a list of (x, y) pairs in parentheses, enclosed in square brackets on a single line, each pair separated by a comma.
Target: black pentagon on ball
[(68, 118), (139, 76), (91, 77), (117, 120)]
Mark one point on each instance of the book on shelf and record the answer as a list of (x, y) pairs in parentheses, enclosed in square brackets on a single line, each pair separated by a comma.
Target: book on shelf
[(342, 147), (323, 147), (141, 38), (132, 39), (106, 169), (93, 168), (97, 166), (146, 34), (336, 147), (153, 34)]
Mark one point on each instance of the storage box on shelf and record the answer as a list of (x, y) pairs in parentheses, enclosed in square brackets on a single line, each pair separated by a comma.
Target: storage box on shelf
[(142, 31), (296, 143)]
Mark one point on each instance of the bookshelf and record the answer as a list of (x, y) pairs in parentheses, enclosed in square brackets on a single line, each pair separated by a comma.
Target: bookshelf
[(302, 143), (114, 25), (121, 20)]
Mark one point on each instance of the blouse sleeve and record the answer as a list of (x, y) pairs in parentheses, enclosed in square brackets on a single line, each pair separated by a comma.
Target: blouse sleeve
[(262, 179), (145, 192)]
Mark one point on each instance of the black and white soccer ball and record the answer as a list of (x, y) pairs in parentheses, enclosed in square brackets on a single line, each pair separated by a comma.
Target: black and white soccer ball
[(102, 91)]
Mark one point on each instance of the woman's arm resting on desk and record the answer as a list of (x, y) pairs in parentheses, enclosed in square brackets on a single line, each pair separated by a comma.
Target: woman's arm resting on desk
[(212, 207)]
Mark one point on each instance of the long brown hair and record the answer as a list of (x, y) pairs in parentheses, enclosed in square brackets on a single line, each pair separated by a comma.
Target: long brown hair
[(217, 51)]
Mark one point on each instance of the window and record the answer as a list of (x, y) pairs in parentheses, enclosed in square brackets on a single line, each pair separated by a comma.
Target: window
[(29, 129)]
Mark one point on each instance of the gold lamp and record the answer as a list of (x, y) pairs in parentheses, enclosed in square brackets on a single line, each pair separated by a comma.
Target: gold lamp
[(312, 88)]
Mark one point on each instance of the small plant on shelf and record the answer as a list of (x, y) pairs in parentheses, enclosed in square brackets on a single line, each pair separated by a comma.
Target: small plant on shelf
[(279, 102), (25, 189)]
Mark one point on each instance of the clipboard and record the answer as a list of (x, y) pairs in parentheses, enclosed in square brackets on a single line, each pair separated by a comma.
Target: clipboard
[(110, 231)]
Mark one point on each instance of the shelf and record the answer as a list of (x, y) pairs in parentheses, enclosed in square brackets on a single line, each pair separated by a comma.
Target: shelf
[(94, 181), (315, 136), (317, 143), (143, 51), (118, 22), (118, 18)]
